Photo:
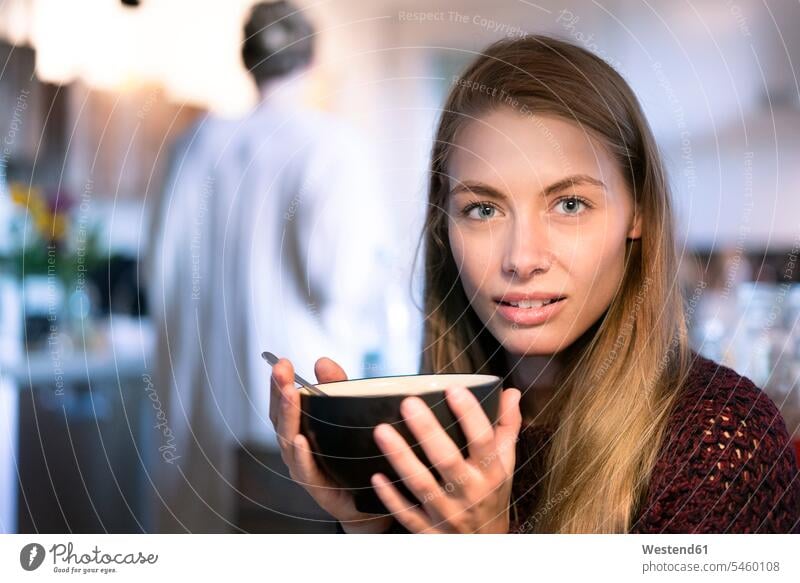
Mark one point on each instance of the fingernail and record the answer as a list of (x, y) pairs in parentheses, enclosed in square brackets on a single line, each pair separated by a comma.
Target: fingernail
[(381, 431), (409, 406), (456, 393)]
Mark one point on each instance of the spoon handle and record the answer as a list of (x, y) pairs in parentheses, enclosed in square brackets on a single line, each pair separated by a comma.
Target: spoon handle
[(273, 360)]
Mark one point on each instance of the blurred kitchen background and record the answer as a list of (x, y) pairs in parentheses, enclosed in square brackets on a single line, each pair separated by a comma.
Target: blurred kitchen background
[(94, 92)]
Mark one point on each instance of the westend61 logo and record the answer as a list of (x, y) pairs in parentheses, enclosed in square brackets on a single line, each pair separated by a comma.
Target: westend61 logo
[(65, 560)]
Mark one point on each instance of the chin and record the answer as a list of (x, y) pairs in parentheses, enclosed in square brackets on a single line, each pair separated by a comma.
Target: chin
[(531, 341)]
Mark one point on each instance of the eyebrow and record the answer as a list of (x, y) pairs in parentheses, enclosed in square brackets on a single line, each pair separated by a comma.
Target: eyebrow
[(558, 186)]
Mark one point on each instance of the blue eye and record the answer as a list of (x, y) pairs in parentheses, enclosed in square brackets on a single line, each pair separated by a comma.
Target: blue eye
[(571, 205), (482, 208)]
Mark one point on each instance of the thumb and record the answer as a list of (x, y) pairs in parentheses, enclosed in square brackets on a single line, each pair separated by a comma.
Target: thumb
[(328, 371), (509, 423)]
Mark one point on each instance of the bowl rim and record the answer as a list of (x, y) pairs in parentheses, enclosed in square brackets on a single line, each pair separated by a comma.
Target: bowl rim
[(487, 379)]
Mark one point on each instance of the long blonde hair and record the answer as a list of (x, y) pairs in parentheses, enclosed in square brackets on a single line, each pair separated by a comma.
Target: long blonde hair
[(622, 376)]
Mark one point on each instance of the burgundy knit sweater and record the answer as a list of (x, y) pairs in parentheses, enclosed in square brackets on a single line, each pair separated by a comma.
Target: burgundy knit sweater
[(726, 464)]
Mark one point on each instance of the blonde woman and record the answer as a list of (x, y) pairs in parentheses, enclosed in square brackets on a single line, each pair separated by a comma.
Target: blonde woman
[(551, 262)]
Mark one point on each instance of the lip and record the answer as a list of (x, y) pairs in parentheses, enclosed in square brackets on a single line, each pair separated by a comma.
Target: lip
[(518, 297), (530, 316)]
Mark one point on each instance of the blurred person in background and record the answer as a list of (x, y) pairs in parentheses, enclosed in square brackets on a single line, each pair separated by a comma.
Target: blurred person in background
[(266, 238)]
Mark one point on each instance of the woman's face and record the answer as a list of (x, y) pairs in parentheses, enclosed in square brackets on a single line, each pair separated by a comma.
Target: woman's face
[(537, 210)]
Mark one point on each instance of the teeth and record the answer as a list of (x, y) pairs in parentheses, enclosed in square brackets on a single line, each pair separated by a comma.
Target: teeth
[(530, 303)]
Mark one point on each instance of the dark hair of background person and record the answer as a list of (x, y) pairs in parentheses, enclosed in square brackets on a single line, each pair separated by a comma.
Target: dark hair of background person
[(278, 40)]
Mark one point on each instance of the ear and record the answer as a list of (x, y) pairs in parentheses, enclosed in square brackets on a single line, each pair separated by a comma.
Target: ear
[(635, 231)]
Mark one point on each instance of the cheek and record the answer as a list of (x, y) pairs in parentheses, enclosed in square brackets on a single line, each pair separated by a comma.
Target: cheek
[(475, 259), (596, 263)]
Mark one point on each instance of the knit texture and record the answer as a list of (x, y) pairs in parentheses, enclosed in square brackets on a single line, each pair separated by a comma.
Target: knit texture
[(726, 464)]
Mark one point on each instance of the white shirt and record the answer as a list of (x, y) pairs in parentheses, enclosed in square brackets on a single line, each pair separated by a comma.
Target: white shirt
[(269, 232)]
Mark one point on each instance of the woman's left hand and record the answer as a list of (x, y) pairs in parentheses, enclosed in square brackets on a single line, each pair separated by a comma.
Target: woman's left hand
[(476, 491)]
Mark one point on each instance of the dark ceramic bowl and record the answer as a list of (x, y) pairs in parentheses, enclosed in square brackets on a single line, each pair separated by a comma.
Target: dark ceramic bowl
[(339, 426)]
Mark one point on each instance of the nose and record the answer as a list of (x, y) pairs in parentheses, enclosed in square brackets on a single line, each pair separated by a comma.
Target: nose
[(528, 250)]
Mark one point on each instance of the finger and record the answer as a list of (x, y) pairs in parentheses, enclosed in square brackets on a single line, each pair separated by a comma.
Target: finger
[(509, 422), (414, 474), (275, 381), (411, 517), (475, 424), (309, 475), (289, 406), (332, 497), (274, 401), (328, 371), (437, 445)]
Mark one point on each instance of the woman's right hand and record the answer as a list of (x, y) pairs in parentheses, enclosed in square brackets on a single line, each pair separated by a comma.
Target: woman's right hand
[(284, 412)]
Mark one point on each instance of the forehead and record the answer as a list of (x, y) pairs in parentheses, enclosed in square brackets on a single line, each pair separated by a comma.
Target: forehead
[(506, 147)]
